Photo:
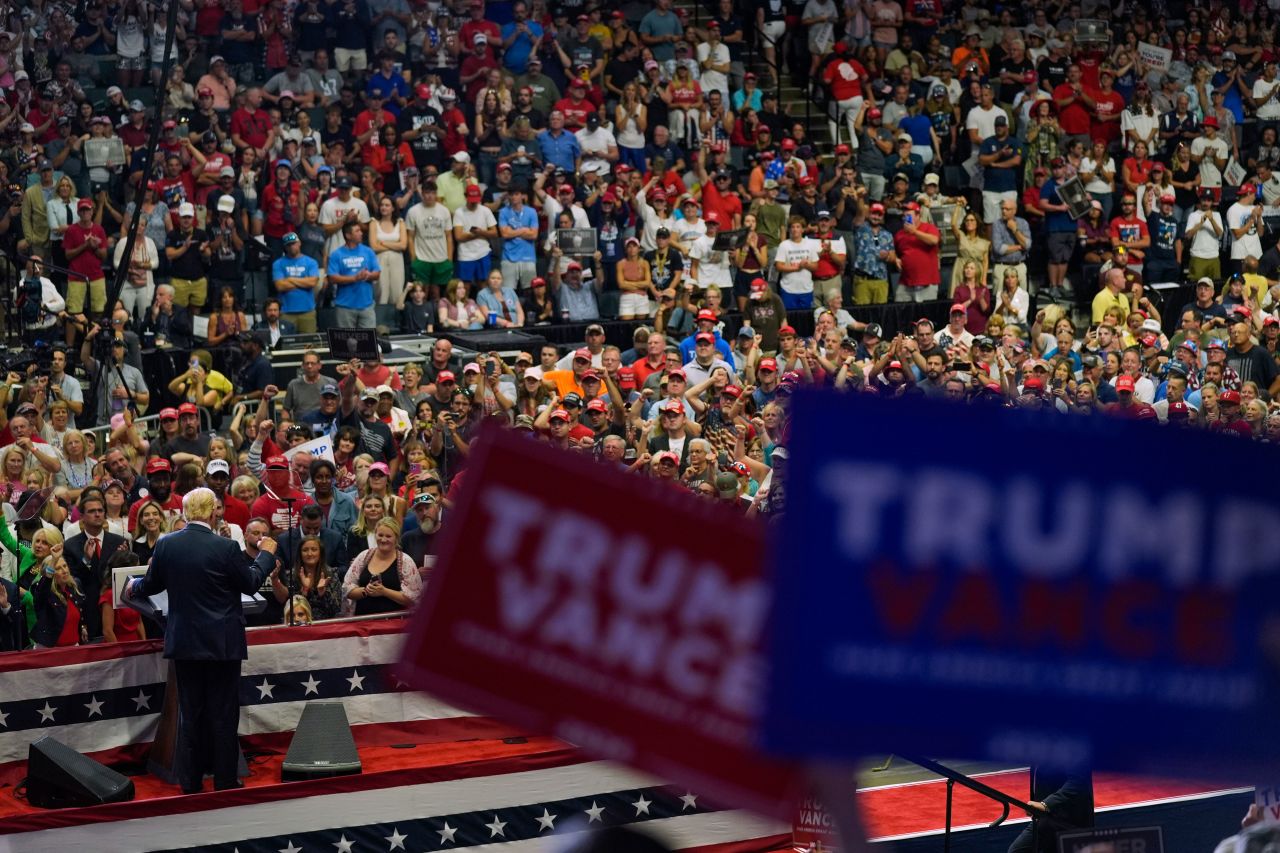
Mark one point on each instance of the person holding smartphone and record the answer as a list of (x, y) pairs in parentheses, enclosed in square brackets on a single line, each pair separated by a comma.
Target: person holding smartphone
[(917, 248)]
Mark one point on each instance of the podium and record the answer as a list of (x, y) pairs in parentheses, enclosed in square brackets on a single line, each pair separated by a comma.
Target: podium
[(164, 761)]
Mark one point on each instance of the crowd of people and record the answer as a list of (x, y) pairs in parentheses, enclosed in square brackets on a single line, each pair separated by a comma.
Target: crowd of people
[(1045, 171)]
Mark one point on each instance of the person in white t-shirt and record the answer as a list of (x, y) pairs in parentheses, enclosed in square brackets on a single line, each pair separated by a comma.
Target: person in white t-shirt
[(1210, 152), (796, 259), (1244, 219), (713, 61), (1203, 234), (335, 212), (473, 227), (709, 266), (1266, 94), (980, 124)]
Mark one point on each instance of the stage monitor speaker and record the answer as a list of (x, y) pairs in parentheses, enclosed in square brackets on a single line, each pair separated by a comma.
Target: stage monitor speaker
[(322, 746), (59, 777)]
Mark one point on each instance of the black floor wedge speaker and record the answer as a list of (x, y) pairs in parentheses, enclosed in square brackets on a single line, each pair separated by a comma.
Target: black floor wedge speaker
[(58, 777), (322, 746)]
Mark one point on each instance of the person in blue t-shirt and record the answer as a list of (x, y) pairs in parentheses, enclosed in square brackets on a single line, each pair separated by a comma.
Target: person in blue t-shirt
[(353, 267), (1001, 159), (296, 277), (1060, 224), (520, 38), (518, 225)]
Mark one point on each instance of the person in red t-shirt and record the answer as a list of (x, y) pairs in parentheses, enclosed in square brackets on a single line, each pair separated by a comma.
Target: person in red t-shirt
[(575, 107), (844, 78), (85, 245), (718, 197), (1129, 232), (917, 247), (368, 124), (251, 126), (477, 24), (279, 485), (217, 476), (1108, 104), (473, 71), (281, 207), (1075, 106), (159, 489)]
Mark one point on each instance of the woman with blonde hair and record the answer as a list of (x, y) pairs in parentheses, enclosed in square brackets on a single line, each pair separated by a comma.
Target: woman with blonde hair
[(970, 245), (60, 211), (59, 605), (360, 538), (245, 488), (12, 466), (153, 522), (28, 556), (76, 471), (382, 579), (378, 484)]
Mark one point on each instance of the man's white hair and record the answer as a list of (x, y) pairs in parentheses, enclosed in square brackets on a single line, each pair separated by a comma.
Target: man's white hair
[(200, 505)]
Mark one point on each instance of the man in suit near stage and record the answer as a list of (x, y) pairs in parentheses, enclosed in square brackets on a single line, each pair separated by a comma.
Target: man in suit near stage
[(205, 575), (87, 554), (1059, 801)]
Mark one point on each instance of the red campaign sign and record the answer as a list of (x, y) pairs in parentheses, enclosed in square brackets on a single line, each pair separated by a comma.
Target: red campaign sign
[(611, 611)]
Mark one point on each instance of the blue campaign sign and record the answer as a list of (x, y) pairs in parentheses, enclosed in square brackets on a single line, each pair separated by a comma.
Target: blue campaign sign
[(981, 583)]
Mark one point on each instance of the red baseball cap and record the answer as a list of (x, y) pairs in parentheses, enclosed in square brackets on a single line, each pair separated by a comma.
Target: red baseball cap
[(1033, 382), (446, 376), (597, 405), (423, 91), (768, 364), (1124, 383), (560, 415), (626, 378), (276, 461), (157, 463), (677, 373), (705, 337), (706, 314), (474, 191), (788, 144), (1229, 396), (732, 390), (582, 353), (786, 329), (169, 414), (590, 375), (188, 409)]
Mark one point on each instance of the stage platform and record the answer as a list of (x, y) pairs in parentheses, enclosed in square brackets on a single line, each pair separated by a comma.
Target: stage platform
[(438, 778)]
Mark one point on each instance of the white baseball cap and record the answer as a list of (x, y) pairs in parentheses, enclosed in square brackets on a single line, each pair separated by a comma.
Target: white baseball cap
[(186, 209), (218, 466)]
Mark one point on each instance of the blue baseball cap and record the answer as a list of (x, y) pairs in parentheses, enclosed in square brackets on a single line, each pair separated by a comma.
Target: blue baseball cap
[(283, 163), (289, 238), (328, 389)]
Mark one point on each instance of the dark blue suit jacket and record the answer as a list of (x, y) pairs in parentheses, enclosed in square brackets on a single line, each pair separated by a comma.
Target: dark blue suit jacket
[(205, 575)]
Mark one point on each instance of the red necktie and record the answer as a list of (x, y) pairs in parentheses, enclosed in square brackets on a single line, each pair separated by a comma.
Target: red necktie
[(93, 550)]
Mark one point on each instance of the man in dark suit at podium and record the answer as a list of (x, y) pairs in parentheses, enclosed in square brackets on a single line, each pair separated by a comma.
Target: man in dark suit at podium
[(205, 575), (87, 554)]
